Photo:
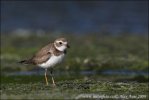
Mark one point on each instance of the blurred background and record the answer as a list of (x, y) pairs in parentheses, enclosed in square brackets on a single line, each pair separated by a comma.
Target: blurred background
[(113, 37), (75, 17)]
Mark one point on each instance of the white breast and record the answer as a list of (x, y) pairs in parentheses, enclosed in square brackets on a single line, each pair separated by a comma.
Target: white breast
[(52, 61)]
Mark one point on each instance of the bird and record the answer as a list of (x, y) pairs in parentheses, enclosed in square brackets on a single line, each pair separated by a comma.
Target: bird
[(49, 56)]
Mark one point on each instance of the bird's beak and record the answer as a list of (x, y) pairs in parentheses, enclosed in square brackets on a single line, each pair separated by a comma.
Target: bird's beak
[(68, 46)]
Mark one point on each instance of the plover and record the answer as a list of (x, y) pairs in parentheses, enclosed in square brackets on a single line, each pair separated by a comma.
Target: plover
[(49, 56)]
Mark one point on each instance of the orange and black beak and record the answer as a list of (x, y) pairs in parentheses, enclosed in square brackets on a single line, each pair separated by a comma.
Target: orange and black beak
[(68, 46)]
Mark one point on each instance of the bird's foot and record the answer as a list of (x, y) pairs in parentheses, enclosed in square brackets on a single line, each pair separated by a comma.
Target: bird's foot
[(53, 85)]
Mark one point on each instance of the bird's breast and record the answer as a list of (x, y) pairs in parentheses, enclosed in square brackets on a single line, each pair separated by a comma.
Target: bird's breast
[(52, 61)]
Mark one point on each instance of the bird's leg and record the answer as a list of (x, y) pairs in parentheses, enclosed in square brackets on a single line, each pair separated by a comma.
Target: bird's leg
[(51, 73), (46, 77)]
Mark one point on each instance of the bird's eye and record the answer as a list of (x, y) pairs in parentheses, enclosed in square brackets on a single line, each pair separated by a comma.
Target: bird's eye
[(60, 42)]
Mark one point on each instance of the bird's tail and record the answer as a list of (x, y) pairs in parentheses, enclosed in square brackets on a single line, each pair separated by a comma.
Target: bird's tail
[(25, 62)]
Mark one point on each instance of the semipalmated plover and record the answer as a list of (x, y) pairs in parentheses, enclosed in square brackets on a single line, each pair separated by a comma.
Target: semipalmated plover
[(49, 56)]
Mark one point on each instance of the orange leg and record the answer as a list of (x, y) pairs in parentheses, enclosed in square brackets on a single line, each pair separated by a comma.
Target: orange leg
[(46, 77), (52, 78)]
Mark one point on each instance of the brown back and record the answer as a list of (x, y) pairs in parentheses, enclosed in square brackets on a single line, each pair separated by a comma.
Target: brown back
[(42, 55)]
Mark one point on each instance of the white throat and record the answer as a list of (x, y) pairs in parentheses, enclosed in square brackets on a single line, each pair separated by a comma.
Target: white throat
[(61, 48)]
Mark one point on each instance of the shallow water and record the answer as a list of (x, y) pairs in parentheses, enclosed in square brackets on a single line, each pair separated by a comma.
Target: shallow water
[(125, 72), (105, 72)]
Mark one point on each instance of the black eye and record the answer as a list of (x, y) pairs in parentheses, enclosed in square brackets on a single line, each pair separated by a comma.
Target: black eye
[(60, 42)]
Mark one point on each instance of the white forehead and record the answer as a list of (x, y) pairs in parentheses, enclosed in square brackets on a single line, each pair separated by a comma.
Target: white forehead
[(62, 42)]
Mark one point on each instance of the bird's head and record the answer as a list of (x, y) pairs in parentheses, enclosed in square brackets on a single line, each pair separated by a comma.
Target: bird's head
[(61, 44)]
